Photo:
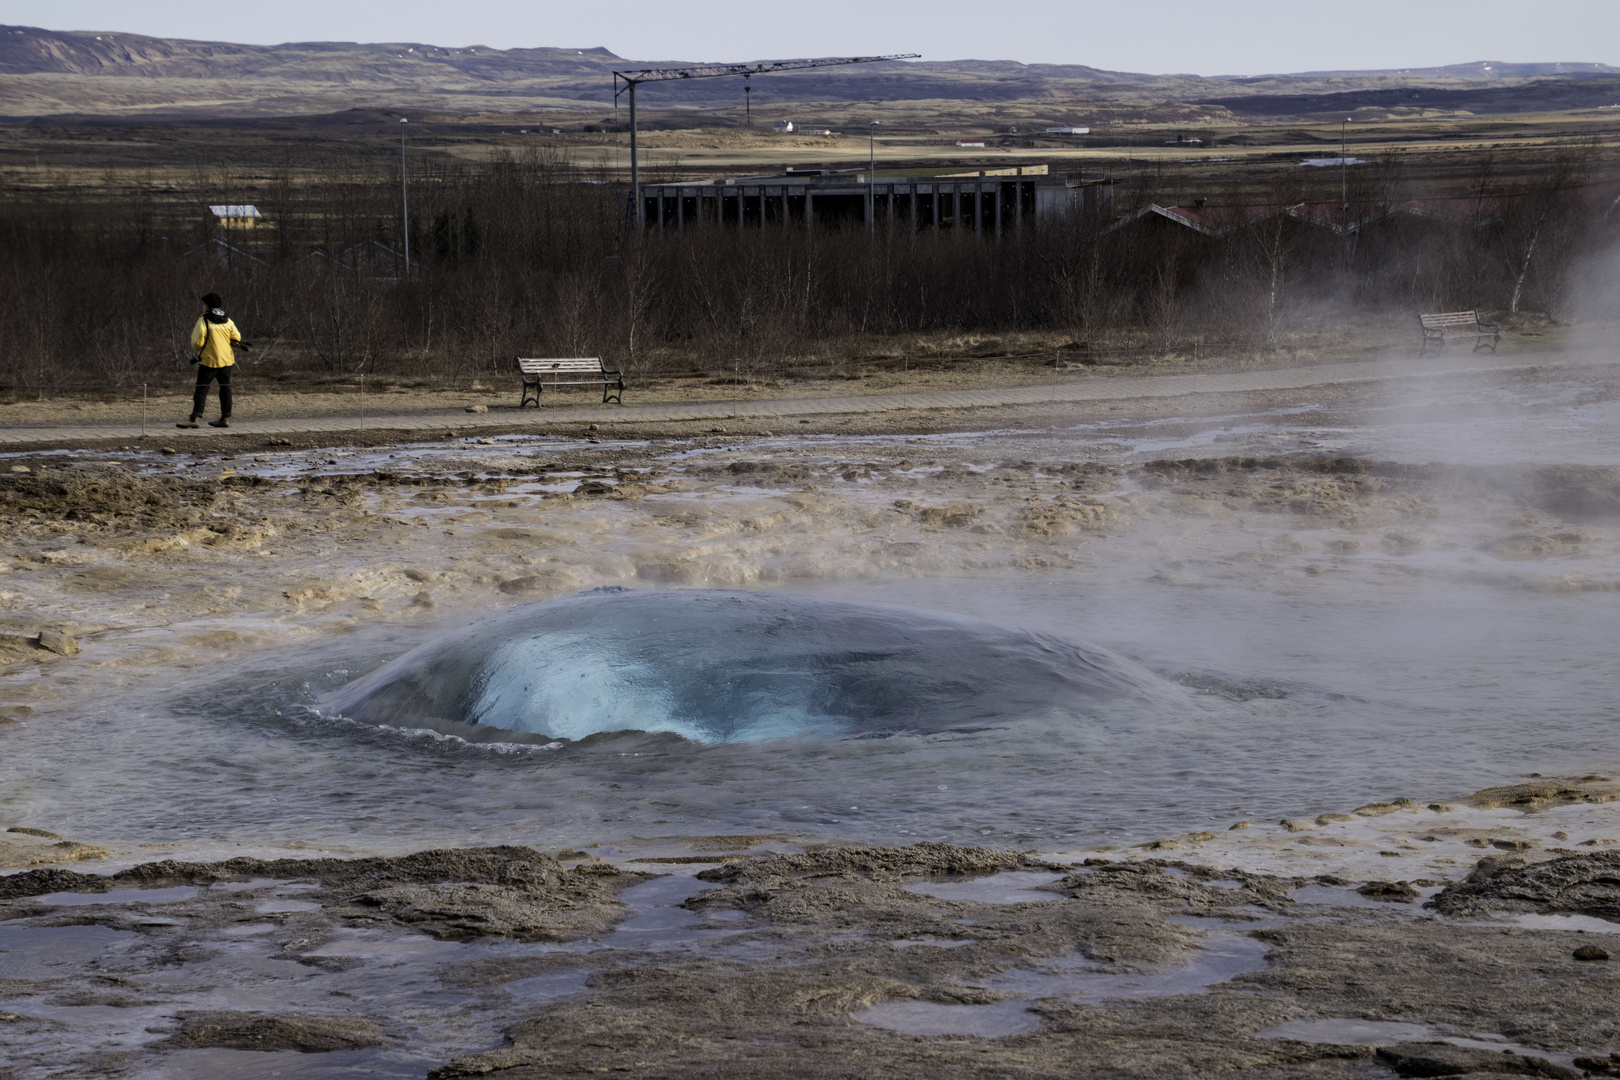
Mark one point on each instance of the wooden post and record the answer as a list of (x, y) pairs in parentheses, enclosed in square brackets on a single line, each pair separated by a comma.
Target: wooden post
[(143, 410), (809, 206)]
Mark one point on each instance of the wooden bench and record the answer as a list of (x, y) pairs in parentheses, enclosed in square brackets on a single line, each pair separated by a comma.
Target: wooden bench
[(536, 373), (1436, 327)]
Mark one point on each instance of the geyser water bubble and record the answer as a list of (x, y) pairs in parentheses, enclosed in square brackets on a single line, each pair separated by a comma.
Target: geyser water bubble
[(722, 666)]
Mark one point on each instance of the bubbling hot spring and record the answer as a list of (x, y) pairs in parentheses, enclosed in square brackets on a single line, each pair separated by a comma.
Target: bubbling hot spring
[(718, 666)]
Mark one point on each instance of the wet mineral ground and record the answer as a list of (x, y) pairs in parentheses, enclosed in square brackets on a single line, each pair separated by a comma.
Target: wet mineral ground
[(197, 889)]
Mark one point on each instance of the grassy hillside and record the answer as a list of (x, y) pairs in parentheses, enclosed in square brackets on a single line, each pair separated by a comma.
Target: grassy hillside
[(55, 73)]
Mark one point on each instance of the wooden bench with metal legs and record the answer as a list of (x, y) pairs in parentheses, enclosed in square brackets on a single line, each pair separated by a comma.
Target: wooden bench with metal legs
[(537, 373), (1463, 323)]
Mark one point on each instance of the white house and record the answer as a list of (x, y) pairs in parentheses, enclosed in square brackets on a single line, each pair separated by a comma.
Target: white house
[(239, 216), (783, 127)]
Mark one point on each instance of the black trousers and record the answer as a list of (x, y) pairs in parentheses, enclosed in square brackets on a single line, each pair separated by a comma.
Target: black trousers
[(199, 400)]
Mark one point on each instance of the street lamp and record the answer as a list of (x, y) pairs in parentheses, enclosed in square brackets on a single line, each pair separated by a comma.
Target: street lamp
[(404, 198), (871, 168)]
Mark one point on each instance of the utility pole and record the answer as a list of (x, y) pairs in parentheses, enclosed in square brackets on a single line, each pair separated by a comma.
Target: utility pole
[(871, 183), (404, 198), (632, 79), (635, 164), (1344, 180)]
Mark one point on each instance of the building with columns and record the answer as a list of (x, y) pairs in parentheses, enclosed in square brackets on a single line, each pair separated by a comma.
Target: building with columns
[(988, 202)]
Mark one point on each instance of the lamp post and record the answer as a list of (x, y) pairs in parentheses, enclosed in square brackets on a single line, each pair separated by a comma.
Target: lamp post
[(871, 168), (404, 198)]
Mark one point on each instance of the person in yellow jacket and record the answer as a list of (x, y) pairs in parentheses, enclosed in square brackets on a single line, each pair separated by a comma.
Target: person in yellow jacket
[(212, 339)]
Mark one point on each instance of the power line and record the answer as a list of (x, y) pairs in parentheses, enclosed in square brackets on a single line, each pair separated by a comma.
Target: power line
[(632, 79)]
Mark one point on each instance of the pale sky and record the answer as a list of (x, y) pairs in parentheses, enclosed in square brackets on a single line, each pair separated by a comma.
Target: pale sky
[(1206, 37)]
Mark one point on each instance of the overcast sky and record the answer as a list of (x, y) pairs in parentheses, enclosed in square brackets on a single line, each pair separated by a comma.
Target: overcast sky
[(1206, 37)]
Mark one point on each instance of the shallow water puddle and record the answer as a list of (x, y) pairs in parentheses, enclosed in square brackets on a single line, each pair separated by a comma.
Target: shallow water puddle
[(402, 948), (550, 986), (1007, 887), (34, 952), (938, 943), (120, 896), (930, 1018), (659, 921), (1583, 923), (1222, 956), (1342, 896), (212, 1064), (278, 906), (1345, 1031)]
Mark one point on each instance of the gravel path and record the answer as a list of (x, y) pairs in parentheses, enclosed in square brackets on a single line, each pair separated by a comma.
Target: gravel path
[(1075, 390)]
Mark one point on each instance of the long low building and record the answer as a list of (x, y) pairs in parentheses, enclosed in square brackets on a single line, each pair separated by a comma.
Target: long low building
[(988, 202)]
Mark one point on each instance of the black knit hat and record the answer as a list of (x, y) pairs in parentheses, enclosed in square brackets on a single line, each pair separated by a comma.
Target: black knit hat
[(212, 300)]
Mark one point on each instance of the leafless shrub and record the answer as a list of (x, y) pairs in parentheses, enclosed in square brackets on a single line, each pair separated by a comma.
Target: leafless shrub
[(532, 254)]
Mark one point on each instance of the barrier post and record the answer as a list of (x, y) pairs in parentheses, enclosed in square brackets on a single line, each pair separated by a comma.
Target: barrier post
[(143, 410)]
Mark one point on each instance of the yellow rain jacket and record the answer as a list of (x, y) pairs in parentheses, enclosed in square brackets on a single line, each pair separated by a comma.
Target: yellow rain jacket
[(212, 342)]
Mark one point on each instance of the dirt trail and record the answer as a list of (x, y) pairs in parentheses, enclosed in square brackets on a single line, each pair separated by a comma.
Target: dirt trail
[(1063, 387)]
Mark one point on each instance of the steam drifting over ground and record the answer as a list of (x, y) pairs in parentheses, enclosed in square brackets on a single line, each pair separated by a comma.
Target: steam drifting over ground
[(1359, 597)]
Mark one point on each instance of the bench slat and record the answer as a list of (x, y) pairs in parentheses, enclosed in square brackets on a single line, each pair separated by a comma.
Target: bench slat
[(535, 366), (1450, 318)]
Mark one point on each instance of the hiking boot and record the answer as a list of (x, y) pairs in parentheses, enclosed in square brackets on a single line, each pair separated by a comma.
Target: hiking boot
[(223, 421), (190, 423)]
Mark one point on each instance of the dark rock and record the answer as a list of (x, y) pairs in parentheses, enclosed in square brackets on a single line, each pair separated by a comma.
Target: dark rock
[(59, 643), (253, 1031), (1596, 1066), (1395, 892), (1574, 884), (1444, 1059), (44, 882), (926, 859), (1544, 793), (1591, 952)]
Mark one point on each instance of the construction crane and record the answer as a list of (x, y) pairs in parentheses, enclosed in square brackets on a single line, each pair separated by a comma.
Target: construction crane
[(633, 79)]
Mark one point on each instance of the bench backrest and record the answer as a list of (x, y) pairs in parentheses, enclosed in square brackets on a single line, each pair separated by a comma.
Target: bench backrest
[(576, 365), (1449, 319)]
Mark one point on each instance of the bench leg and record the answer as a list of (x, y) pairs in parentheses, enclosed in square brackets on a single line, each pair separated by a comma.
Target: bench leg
[(528, 397)]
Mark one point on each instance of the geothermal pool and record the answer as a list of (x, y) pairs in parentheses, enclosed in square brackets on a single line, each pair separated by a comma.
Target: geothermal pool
[(1295, 706), (1423, 636), (1067, 643)]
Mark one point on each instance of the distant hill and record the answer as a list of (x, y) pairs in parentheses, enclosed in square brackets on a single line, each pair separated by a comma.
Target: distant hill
[(51, 73)]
